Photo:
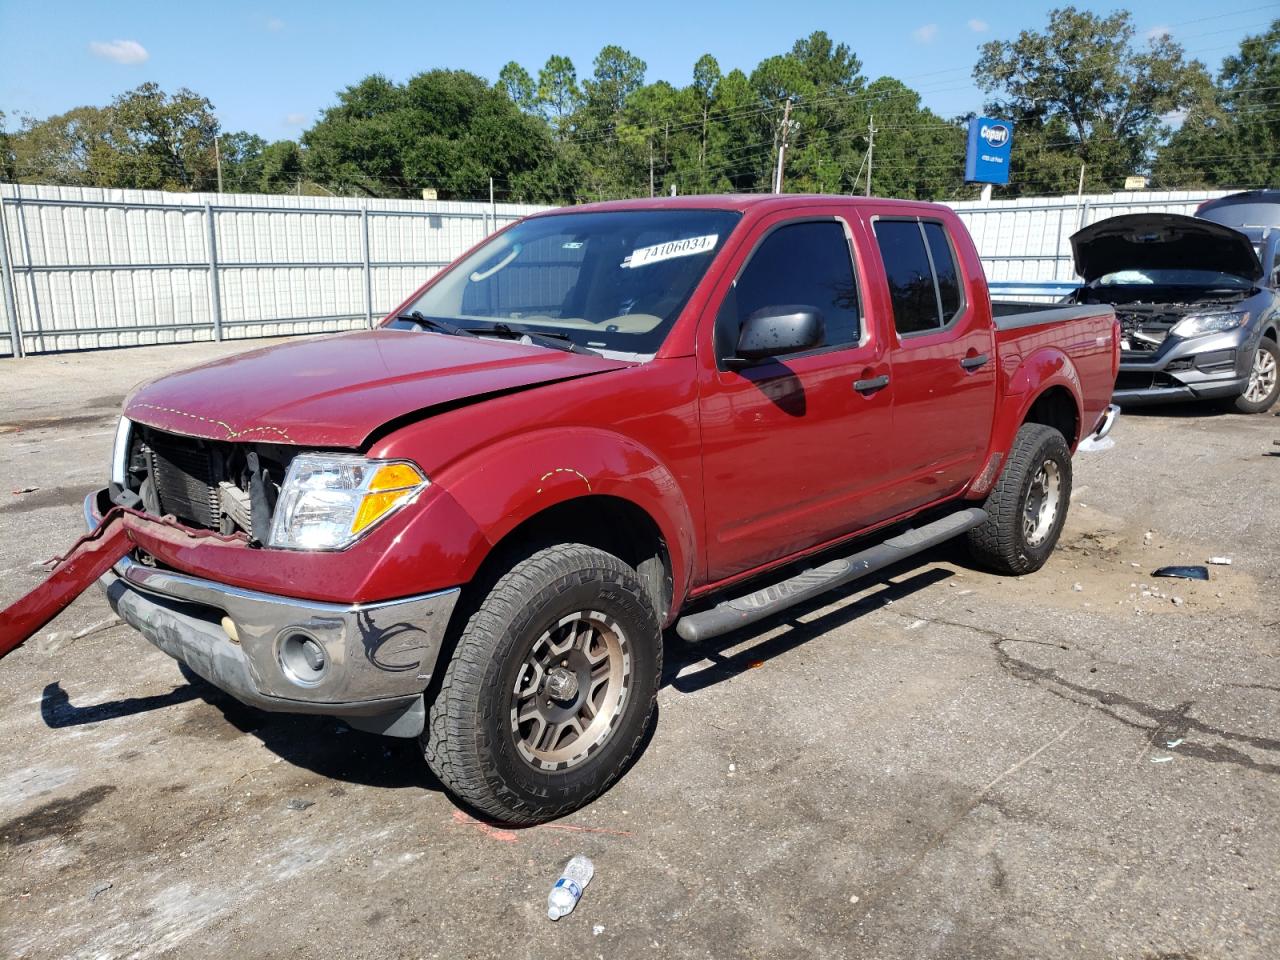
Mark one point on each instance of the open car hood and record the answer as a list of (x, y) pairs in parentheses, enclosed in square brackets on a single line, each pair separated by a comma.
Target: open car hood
[(1162, 241), (336, 391)]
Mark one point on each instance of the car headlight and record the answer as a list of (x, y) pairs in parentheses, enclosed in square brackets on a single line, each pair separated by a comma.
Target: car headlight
[(330, 500), (1202, 323)]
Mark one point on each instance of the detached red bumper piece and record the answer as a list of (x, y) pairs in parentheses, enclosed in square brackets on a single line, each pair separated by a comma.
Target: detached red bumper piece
[(92, 555)]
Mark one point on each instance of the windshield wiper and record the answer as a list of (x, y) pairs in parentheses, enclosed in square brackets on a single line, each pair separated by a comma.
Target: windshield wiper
[(435, 323), (556, 341)]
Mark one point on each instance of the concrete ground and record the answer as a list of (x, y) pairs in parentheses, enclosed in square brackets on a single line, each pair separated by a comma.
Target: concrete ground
[(944, 763)]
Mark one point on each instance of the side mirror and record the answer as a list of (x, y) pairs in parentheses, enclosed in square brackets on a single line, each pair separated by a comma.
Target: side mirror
[(772, 331)]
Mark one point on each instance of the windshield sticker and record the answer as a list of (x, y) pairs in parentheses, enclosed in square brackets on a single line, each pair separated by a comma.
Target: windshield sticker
[(688, 247)]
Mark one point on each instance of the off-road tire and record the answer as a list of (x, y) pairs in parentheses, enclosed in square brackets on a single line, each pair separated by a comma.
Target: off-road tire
[(1244, 405), (469, 742), (1000, 542)]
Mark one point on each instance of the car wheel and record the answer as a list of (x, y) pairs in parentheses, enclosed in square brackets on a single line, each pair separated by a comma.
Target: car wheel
[(1028, 505), (1264, 379), (550, 689)]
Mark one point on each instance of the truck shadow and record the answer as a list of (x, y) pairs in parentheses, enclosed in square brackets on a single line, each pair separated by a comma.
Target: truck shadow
[(894, 583), (329, 748)]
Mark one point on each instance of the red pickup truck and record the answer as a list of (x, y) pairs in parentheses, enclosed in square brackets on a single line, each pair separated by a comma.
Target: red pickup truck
[(476, 523)]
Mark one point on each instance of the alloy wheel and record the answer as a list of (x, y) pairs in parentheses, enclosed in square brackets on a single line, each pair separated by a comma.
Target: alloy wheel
[(571, 690), (1262, 378), (1041, 510)]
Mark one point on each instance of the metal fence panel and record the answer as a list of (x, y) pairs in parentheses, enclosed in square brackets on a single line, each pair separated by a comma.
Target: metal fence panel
[(1025, 243), (88, 267)]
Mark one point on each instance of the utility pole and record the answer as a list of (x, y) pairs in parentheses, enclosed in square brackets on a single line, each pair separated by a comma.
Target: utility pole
[(651, 167), (782, 146), (871, 148), (217, 159), (1080, 199)]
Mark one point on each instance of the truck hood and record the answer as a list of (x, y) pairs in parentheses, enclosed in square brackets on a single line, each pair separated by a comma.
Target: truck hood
[(336, 391), (1162, 241)]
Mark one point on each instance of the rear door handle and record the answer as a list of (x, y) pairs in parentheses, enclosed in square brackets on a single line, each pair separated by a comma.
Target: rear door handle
[(973, 363), (872, 385)]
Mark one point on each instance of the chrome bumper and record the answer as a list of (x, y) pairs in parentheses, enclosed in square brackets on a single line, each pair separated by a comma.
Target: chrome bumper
[(1106, 421), (377, 660)]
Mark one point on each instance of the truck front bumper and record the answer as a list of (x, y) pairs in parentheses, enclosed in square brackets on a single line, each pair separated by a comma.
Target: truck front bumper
[(1202, 368), (367, 663)]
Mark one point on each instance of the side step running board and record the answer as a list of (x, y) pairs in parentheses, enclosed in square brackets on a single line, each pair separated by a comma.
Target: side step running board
[(740, 611)]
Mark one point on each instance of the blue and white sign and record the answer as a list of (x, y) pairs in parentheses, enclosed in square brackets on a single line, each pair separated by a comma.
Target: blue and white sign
[(990, 146)]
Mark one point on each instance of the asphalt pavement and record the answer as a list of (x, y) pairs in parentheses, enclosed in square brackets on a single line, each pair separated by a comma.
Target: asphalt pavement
[(940, 763)]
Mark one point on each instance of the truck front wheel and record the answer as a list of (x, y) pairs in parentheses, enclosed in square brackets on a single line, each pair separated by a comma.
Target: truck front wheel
[(1028, 505), (550, 689)]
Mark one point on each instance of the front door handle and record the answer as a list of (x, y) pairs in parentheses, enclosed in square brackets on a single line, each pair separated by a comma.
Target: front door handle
[(871, 385), (973, 363)]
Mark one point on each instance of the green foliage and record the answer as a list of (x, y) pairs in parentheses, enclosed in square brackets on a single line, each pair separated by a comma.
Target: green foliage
[(1083, 90), (1232, 137), (445, 129)]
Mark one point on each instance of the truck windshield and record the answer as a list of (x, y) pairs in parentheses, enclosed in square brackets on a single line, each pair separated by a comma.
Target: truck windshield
[(609, 281)]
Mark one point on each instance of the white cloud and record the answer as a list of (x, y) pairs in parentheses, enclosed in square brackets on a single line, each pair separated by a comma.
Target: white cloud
[(120, 51), (295, 119), (275, 24), (1158, 33), (979, 26), (926, 34)]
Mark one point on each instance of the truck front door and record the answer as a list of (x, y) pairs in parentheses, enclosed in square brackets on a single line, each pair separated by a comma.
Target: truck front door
[(792, 444)]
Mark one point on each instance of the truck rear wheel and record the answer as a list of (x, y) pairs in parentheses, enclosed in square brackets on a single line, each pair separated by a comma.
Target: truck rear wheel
[(1264, 380), (1028, 505), (550, 689)]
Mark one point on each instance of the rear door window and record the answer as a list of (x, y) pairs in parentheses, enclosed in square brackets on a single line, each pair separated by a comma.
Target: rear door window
[(924, 280)]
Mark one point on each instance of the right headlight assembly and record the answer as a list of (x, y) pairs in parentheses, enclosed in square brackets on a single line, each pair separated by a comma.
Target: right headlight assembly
[(1200, 324), (330, 500)]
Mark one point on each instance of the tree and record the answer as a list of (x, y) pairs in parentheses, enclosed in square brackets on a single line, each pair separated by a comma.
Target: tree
[(280, 167), (446, 129), (8, 162), (558, 92), (1082, 88), (241, 154), (1232, 137), (519, 86), (69, 149), (159, 142)]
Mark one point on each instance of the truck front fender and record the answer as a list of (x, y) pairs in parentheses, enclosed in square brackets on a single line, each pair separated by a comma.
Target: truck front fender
[(505, 484)]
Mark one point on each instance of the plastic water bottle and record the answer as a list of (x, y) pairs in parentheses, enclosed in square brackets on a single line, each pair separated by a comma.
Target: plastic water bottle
[(565, 894)]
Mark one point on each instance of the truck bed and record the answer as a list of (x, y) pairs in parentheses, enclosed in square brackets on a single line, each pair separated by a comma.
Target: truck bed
[(1011, 315)]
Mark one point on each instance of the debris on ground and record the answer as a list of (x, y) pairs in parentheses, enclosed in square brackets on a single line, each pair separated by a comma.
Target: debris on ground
[(1219, 561), (299, 804), (1182, 573), (100, 889), (22, 490), (564, 896)]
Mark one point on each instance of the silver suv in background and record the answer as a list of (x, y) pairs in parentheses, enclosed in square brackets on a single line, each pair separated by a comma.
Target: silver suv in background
[(1256, 214), (1197, 320)]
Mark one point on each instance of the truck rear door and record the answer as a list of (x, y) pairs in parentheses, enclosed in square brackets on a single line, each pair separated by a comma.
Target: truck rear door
[(791, 445), (943, 359)]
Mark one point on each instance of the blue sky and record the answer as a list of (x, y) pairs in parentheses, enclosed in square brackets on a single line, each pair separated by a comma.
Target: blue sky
[(271, 67)]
